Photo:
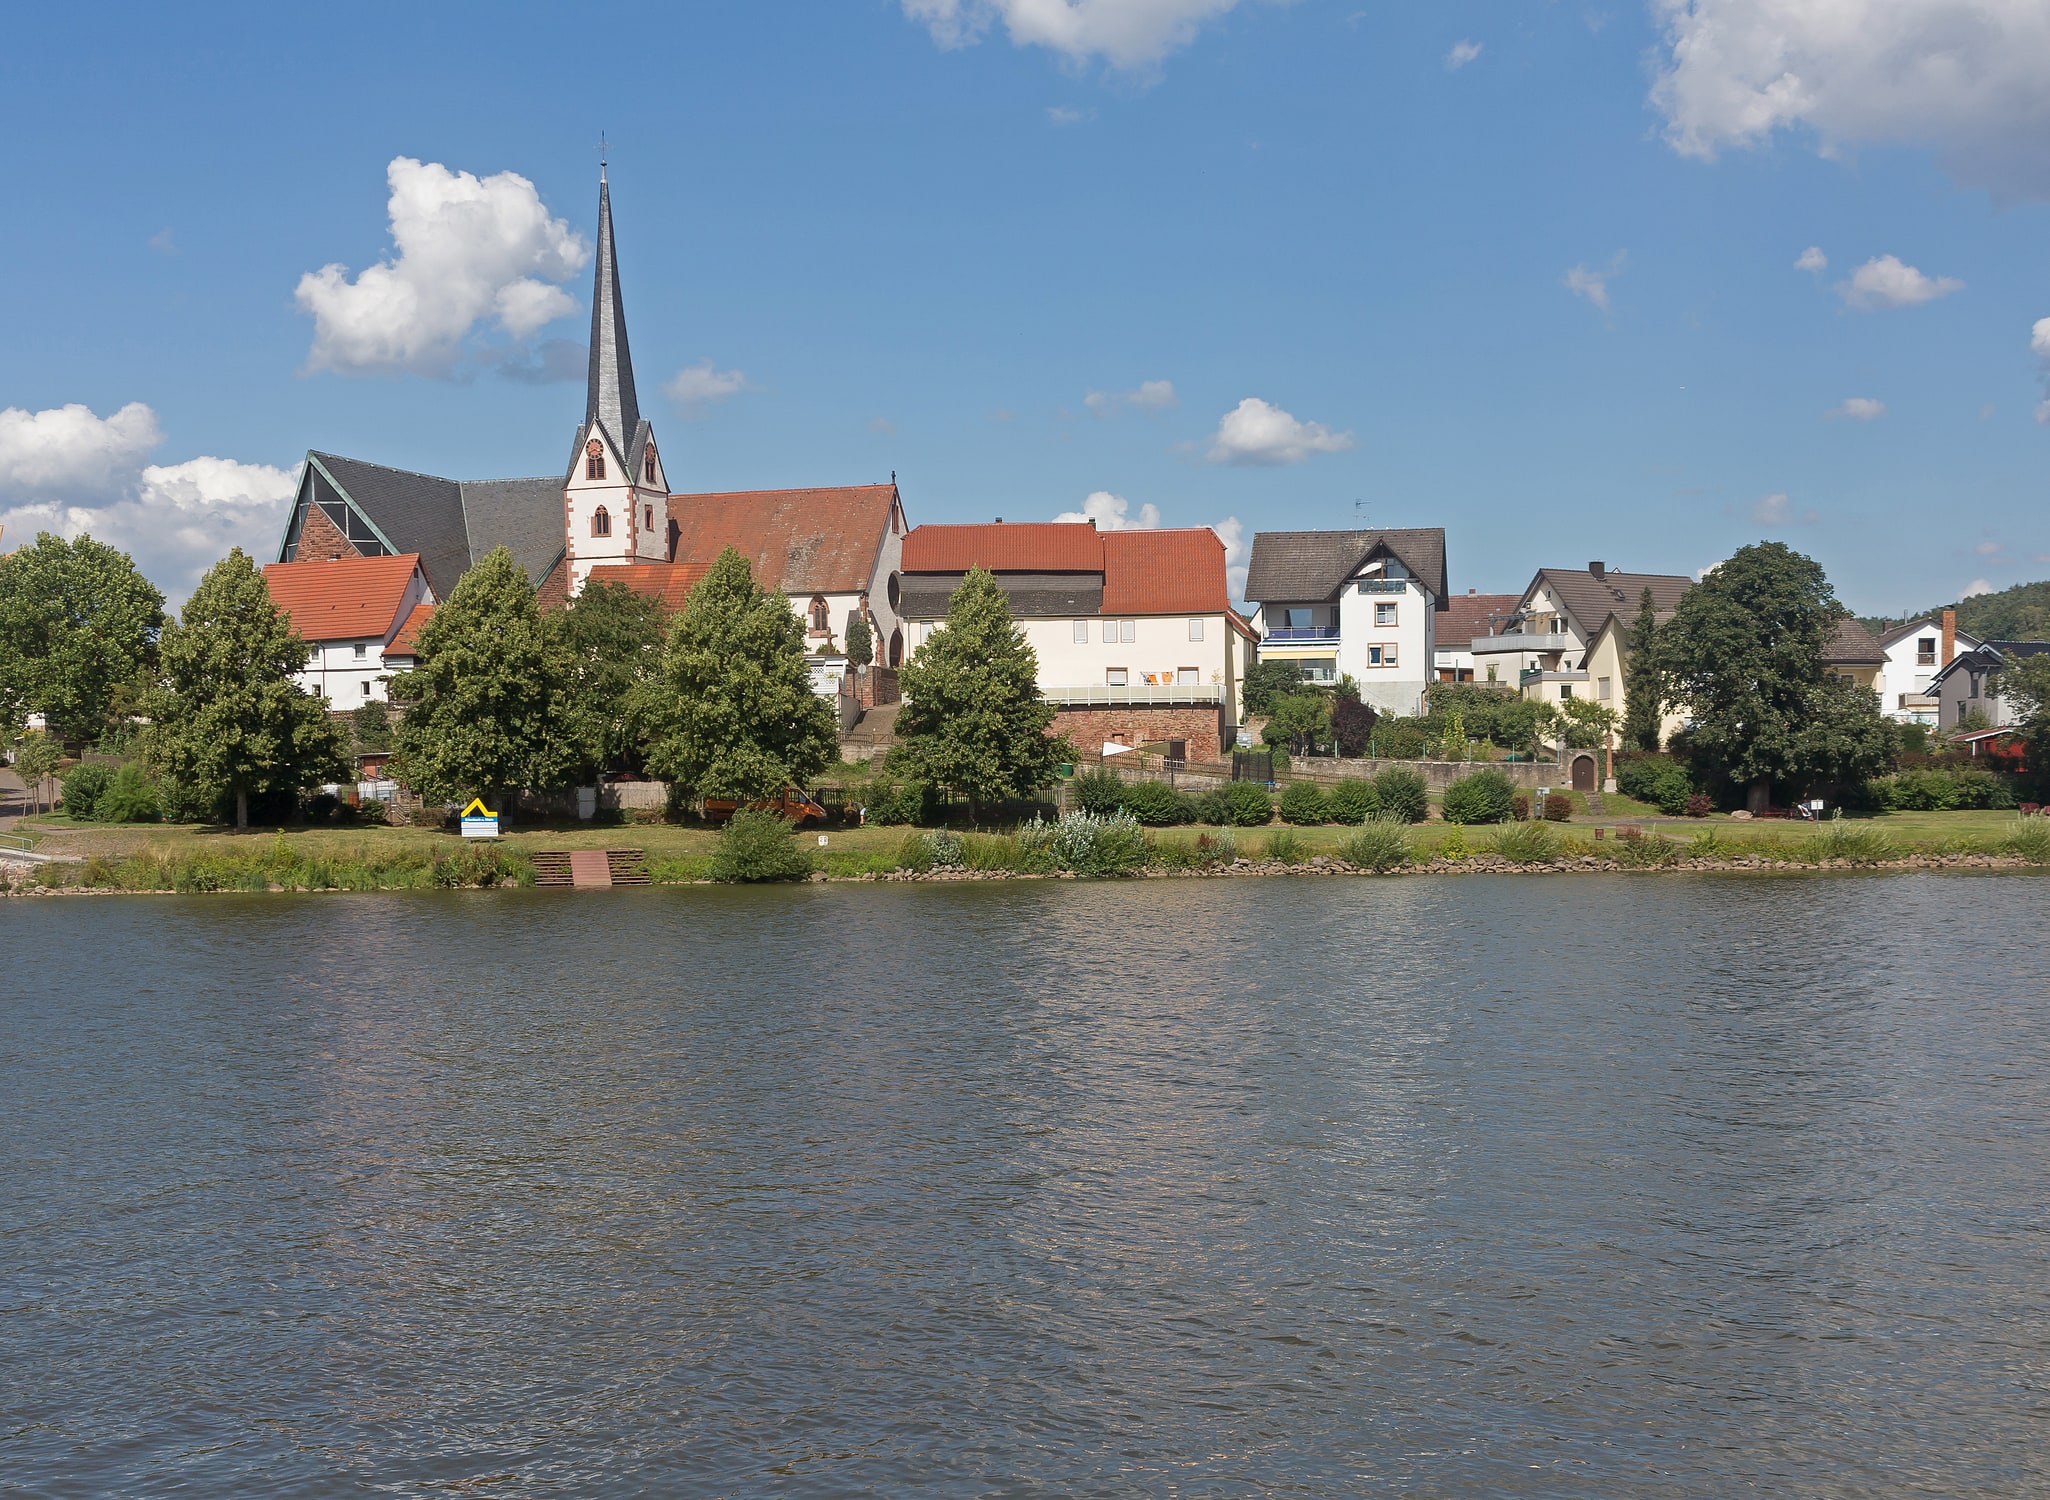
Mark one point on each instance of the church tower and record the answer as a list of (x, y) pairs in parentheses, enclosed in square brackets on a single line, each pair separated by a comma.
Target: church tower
[(615, 495)]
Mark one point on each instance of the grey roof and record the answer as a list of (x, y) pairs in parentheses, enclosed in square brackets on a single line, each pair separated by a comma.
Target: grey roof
[(1590, 600), (451, 523), (1313, 565), (524, 515), (1927, 622), (610, 400), (1990, 656), (1032, 596), (1852, 645)]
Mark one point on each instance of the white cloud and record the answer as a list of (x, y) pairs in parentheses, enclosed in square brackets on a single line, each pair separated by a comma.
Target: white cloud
[(1462, 53), (1777, 511), (1812, 259), (1061, 114), (1256, 434), (470, 250), (1962, 76), (695, 387), (1232, 532), (1975, 588), (1124, 33), (1148, 395), (67, 450), (1988, 549), (1583, 281), (73, 473), (1886, 282), (2039, 343), (1859, 409), (1113, 513)]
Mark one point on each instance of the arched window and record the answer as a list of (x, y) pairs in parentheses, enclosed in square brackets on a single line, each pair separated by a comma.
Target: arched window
[(821, 617), (601, 519), (896, 648), (648, 512), (594, 460), (648, 465), (896, 595)]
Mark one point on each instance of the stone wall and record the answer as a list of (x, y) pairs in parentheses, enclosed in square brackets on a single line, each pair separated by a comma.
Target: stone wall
[(1090, 727)]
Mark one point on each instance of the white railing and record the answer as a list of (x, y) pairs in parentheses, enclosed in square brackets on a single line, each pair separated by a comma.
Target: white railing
[(1142, 694), (1485, 645)]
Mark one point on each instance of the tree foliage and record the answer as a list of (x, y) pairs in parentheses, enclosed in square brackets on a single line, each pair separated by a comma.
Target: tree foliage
[(2025, 684), (36, 756), (732, 712), (78, 628), (1266, 681), (1587, 723), (228, 717), (1299, 721), (973, 721), (609, 646), (1644, 683), (861, 642), (1352, 722), (485, 707)]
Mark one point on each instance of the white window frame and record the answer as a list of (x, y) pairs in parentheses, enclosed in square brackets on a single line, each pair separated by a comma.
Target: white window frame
[(1110, 632), (1383, 607), (1081, 632), (1128, 632), (1188, 676), (1195, 630), (1117, 677)]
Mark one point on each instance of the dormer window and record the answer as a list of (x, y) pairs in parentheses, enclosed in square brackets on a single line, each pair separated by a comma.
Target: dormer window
[(648, 465), (594, 460), (601, 519)]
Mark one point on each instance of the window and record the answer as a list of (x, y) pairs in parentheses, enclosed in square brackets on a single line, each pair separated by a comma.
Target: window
[(594, 460), (1195, 630), (361, 650), (1128, 631), (648, 511), (1491, 672), (1976, 680), (821, 620), (1565, 690), (648, 467), (1601, 687), (366, 687), (1081, 632), (1925, 651), (1558, 625), (1115, 676), (1384, 614), (1110, 632), (1387, 656), (1189, 677), (1299, 619), (601, 519)]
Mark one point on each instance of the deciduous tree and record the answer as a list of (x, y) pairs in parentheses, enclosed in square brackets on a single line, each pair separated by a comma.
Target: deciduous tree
[(973, 721), (734, 711), (611, 641), (35, 760), (485, 707), (78, 624), (228, 717)]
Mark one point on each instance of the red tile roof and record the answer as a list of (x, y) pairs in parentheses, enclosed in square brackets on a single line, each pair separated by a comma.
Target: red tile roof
[(349, 599), (670, 583), (1027, 547), (822, 541), (407, 641), (1468, 615), (1178, 572)]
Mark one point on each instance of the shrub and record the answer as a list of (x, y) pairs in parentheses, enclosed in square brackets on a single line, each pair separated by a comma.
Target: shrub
[(1404, 794), (1526, 843), (1205, 851), (1480, 797), (428, 816), (1645, 850), (1858, 843), (1558, 808), (1657, 779), (1353, 800), (896, 806), (83, 786), (1519, 808), (1287, 847), (2029, 838), (1380, 844), (1699, 805), (1976, 788), (755, 845), (1303, 803), (1241, 804), (131, 797), (1088, 843), (1154, 803), (320, 807), (1100, 791)]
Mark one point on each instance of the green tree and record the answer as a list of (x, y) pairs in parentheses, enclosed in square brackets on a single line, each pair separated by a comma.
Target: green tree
[(2025, 684), (1298, 720), (485, 707), (78, 623), (1844, 740), (733, 709), (973, 721), (370, 727), (1267, 680), (35, 760), (861, 642), (610, 643), (228, 717), (1352, 722), (1644, 683), (1588, 723), (1744, 653)]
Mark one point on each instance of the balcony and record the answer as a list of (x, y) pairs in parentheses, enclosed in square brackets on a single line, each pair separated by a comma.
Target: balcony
[(1384, 585), (1530, 675), (1142, 695), (1302, 635), (1488, 645)]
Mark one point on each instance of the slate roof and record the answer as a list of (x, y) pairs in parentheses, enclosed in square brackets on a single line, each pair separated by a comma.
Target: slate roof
[(1899, 633), (1311, 565), (610, 399), (1174, 572), (819, 541), (348, 599), (1989, 656), (1852, 645), (1591, 600), (524, 515), (451, 523), (1471, 615), (1023, 547), (668, 583)]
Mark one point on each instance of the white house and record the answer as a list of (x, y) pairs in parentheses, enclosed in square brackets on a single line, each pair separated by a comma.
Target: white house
[(1467, 617), (1548, 648), (350, 612), (1915, 653), (1359, 604)]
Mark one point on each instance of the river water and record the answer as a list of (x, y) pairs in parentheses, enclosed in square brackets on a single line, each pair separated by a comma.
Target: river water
[(1493, 1186)]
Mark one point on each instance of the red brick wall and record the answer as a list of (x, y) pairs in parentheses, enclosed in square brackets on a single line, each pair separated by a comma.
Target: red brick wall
[(553, 590), (1089, 728), (319, 540)]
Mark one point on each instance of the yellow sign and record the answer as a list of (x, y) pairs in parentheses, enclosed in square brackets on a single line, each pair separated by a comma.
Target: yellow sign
[(477, 809)]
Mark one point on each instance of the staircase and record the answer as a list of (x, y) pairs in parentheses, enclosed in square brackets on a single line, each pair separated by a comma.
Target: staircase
[(590, 869), (876, 731), (1594, 802)]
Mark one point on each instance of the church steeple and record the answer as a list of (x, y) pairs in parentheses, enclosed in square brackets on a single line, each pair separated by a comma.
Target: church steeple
[(611, 400)]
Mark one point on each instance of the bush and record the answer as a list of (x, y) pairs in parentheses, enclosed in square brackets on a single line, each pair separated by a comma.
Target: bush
[(1400, 739), (1480, 797), (1287, 847), (320, 807), (1403, 793), (1100, 791), (1558, 808), (755, 845), (428, 816), (131, 797), (896, 806), (1635, 847), (1205, 851), (83, 786), (915, 853), (1857, 843), (2029, 838), (1519, 808), (1086, 843), (1699, 805), (1303, 803), (1240, 804), (1154, 803), (1526, 843), (1353, 800), (1657, 779), (1380, 844)]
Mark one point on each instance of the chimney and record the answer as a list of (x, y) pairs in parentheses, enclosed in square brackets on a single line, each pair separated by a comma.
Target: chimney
[(1949, 636), (1599, 569)]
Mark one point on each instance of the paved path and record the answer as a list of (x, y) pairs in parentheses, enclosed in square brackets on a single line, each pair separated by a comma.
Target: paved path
[(13, 798)]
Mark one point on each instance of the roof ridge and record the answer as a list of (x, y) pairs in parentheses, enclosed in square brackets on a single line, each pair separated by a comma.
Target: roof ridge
[(389, 469)]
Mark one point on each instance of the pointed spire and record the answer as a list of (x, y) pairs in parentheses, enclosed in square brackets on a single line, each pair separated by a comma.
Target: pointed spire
[(611, 398)]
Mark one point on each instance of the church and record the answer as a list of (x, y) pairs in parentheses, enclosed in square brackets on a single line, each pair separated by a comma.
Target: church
[(369, 550)]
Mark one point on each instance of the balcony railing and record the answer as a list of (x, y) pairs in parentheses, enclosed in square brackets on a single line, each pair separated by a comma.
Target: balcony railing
[(1303, 635), (1538, 674), (1487, 645), (1384, 585), (1095, 696)]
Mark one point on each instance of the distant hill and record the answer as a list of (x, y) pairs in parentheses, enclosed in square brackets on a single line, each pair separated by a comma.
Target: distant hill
[(2021, 613)]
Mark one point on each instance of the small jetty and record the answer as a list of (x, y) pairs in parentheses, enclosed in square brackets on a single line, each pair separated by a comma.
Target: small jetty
[(590, 869)]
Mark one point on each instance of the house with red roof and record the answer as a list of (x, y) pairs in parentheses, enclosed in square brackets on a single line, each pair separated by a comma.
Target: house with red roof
[(1137, 641), (352, 613)]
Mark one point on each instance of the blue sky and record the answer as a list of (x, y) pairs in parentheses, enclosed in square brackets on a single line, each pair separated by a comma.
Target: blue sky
[(1524, 270)]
